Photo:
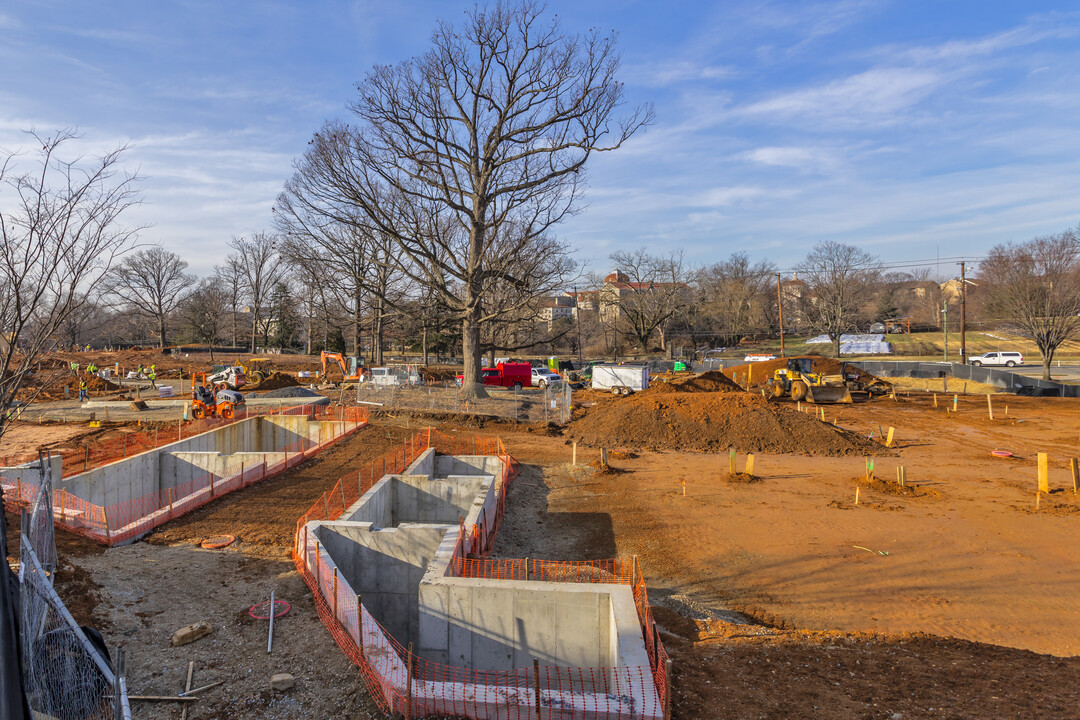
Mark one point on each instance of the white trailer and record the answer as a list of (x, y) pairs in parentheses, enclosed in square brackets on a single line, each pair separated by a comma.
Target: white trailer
[(620, 379)]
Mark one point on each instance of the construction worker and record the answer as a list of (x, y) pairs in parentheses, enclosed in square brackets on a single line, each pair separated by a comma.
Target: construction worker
[(91, 368), (83, 394), (152, 376), (74, 368), (140, 370)]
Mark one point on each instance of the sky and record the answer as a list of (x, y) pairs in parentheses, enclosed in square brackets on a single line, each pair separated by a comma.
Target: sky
[(913, 129)]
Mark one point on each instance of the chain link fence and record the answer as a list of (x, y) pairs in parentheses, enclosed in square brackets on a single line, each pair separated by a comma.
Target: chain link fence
[(66, 668), (550, 404)]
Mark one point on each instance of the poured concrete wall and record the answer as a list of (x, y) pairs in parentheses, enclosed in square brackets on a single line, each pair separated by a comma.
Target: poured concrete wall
[(176, 463), (384, 567), (502, 624), (30, 473)]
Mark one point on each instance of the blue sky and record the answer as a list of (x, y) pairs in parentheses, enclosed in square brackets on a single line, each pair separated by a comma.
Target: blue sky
[(914, 129)]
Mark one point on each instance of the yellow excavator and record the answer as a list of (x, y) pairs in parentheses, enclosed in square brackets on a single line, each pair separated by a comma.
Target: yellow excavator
[(799, 382)]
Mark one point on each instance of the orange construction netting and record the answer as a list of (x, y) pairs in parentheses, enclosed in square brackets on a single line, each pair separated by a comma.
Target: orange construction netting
[(402, 682), (120, 522)]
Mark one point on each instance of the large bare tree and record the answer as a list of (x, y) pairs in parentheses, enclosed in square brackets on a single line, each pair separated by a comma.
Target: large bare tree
[(258, 261), (736, 295), (840, 280), (205, 313), (1035, 288), (60, 232), (647, 292), (468, 154), (152, 283)]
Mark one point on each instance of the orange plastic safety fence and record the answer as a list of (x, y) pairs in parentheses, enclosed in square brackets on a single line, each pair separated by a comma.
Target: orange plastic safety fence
[(122, 521), (90, 456)]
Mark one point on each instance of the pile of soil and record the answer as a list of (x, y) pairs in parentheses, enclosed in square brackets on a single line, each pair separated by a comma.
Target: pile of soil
[(713, 422), (439, 373), (276, 381), (764, 370), (712, 381)]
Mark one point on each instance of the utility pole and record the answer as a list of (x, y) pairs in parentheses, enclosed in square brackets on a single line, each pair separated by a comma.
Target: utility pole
[(577, 311), (780, 310), (945, 325), (963, 315)]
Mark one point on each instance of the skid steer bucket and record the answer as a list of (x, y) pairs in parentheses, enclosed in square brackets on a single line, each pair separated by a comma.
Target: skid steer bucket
[(825, 394)]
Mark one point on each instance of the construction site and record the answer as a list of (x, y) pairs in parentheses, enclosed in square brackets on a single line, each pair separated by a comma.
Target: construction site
[(769, 539)]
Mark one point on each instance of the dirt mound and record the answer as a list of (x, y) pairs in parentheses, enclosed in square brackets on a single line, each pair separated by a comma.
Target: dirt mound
[(276, 381), (712, 381), (713, 422), (439, 373), (760, 372)]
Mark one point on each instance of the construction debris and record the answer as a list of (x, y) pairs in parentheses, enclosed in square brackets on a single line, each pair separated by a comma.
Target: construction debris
[(191, 633)]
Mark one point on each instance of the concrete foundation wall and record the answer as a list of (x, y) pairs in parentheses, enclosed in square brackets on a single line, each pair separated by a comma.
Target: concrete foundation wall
[(446, 465), (30, 473), (501, 624), (142, 474), (384, 567), (178, 468)]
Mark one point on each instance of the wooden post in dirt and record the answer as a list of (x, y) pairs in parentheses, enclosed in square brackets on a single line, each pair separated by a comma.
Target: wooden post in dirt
[(536, 685), (105, 516), (408, 685), (935, 399), (955, 400), (1044, 473), (603, 457), (1075, 474), (359, 626), (179, 429), (856, 494), (889, 438), (750, 465), (574, 462), (667, 696), (731, 461)]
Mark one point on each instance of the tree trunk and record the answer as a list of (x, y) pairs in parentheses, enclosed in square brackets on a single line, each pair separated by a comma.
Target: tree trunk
[(161, 329), (254, 329), (836, 344), (424, 341), (356, 325), (379, 333), (1047, 359), (471, 383)]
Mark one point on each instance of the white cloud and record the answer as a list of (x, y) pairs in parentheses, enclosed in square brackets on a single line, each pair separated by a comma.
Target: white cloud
[(874, 96)]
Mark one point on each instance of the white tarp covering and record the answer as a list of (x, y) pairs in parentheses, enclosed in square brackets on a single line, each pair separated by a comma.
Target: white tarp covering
[(855, 344)]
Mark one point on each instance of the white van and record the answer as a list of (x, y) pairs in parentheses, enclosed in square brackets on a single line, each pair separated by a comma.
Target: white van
[(1008, 359)]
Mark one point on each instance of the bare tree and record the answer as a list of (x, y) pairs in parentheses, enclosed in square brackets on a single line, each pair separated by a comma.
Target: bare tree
[(840, 280), (230, 277), (59, 238), (260, 266), (204, 312), (152, 283), (646, 292), (736, 294), (468, 154), (1035, 288)]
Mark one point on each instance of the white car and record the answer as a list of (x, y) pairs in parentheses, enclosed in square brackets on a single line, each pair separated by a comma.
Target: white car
[(1008, 359), (758, 358), (542, 377)]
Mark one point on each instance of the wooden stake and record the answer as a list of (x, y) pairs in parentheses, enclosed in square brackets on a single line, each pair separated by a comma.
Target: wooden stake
[(270, 633), (574, 463), (889, 438), (955, 399), (935, 399), (856, 494), (187, 686), (408, 682), (989, 406), (731, 461), (1044, 473), (603, 457), (201, 689), (1075, 474), (1037, 496), (684, 487), (536, 685), (750, 465), (164, 698)]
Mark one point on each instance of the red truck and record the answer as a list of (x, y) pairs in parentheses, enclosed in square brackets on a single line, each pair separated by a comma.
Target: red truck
[(515, 375)]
